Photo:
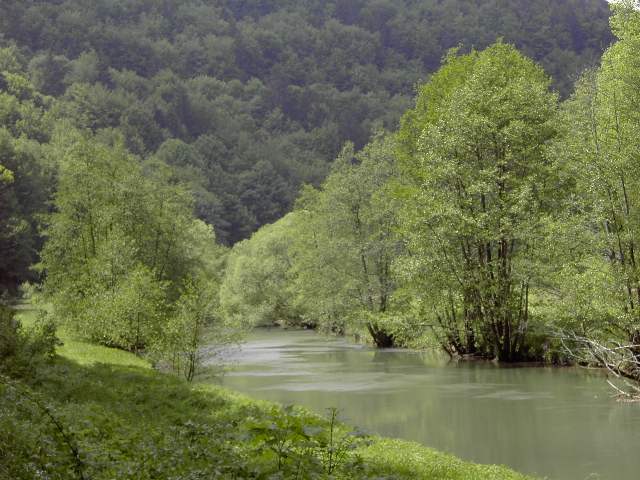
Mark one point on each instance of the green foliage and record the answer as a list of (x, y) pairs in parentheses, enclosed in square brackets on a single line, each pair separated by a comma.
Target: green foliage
[(303, 446), (26, 174), (34, 441), (432, 98), (195, 323), (267, 93), (122, 243), (24, 350), (346, 243), (99, 277), (123, 248), (476, 192), (6, 175), (487, 221), (257, 282), (599, 150)]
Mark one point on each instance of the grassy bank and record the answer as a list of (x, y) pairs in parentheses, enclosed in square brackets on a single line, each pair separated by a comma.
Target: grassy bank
[(128, 421)]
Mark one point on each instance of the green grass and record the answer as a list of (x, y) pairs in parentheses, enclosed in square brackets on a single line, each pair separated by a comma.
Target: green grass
[(407, 460), (80, 351), (130, 421)]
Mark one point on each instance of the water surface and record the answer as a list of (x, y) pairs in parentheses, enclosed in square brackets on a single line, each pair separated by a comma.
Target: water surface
[(555, 423)]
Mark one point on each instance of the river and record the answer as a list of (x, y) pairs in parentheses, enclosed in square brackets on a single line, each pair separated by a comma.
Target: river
[(557, 423)]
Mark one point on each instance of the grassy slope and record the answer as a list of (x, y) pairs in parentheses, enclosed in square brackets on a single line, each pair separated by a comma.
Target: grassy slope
[(122, 409)]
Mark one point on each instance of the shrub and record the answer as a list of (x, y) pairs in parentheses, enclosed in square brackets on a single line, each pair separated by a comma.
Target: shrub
[(22, 350)]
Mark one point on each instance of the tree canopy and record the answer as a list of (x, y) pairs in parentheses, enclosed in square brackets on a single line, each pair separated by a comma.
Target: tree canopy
[(252, 99)]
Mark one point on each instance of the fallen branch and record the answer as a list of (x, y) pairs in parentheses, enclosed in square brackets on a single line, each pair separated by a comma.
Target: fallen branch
[(619, 360)]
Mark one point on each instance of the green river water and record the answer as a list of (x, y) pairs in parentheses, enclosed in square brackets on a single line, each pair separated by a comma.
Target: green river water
[(556, 423)]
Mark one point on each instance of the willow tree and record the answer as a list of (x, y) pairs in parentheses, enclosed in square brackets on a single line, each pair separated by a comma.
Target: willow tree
[(347, 242), (475, 187), (122, 244), (601, 148), (256, 289)]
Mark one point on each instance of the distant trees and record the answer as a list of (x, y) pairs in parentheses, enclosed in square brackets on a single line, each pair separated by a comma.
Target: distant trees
[(267, 93), (258, 280)]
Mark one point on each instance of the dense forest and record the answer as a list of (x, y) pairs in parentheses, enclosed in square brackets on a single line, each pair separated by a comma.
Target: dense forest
[(452, 174), (250, 100), (497, 222)]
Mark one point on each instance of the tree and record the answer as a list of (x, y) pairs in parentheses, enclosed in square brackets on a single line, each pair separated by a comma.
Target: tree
[(477, 190), (48, 71), (195, 320), (26, 174), (189, 327), (119, 244), (599, 148), (347, 243), (257, 286)]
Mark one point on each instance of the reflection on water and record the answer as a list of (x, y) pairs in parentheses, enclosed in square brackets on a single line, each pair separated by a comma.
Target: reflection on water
[(556, 423)]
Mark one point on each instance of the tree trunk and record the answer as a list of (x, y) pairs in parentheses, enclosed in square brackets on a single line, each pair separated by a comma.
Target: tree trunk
[(381, 338)]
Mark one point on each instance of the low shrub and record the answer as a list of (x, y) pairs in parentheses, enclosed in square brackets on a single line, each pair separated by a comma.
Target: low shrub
[(22, 350)]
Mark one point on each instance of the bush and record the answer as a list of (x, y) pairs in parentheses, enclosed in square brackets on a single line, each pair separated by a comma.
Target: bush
[(22, 350), (294, 444), (34, 443)]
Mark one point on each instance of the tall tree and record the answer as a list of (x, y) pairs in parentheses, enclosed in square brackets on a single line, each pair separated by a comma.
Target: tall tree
[(120, 244), (600, 148), (348, 243), (476, 192), (27, 177)]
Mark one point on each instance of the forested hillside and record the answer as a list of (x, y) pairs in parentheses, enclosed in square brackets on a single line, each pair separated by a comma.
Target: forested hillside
[(251, 99), (431, 174), (498, 221)]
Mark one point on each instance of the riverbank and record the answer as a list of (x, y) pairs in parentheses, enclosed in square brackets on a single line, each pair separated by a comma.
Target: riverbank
[(129, 421)]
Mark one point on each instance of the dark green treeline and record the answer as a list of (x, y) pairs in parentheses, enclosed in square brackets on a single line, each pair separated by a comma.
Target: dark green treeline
[(252, 99)]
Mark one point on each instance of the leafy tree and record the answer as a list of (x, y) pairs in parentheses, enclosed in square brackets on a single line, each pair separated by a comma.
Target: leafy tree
[(84, 69), (195, 320), (47, 72), (118, 245), (23, 351), (26, 173), (190, 327), (477, 193), (600, 147), (347, 244), (257, 285)]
